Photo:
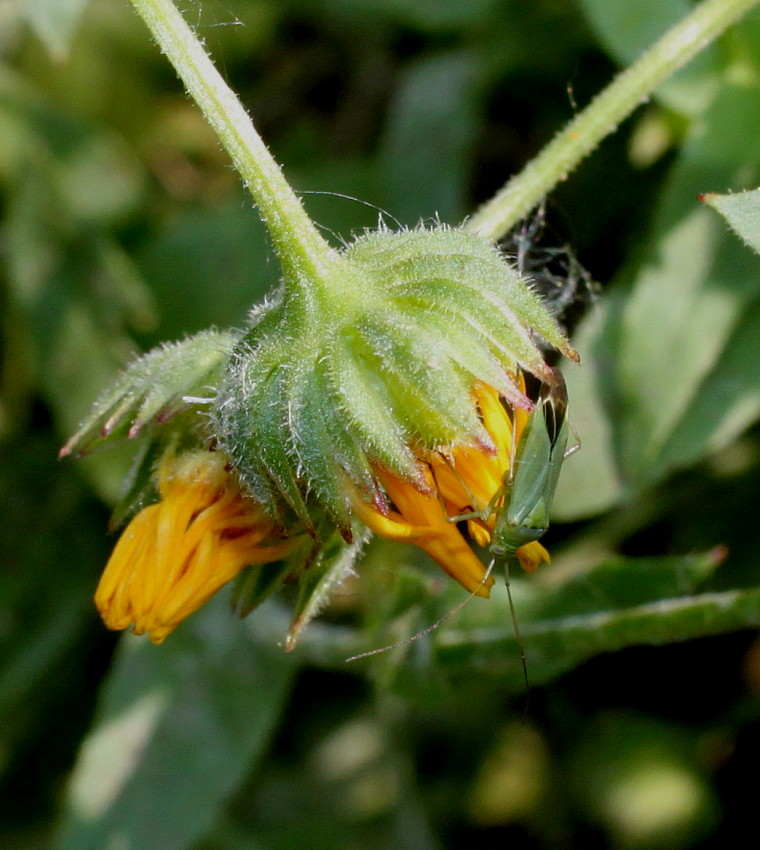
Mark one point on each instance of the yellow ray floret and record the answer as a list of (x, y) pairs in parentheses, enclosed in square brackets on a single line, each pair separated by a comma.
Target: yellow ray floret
[(421, 519), (461, 480), (174, 555)]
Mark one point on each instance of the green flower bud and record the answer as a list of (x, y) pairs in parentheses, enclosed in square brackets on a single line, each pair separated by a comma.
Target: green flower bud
[(376, 365)]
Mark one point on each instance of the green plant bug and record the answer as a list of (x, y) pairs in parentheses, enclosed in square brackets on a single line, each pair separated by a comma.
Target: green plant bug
[(530, 483), (523, 503), (529, 486)]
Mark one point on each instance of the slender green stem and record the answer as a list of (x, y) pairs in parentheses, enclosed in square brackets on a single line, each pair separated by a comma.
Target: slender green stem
[(306, 258), (602, 116)]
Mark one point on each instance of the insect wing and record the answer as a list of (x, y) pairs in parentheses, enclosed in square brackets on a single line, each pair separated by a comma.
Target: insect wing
[(554, 407), (534, 473), (529, 476)]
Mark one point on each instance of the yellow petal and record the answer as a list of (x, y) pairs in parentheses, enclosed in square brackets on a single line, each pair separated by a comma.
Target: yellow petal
[(532, 555), (174, 555)]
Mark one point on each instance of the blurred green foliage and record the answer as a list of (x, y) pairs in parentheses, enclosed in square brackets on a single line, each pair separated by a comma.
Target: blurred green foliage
[(123, 225)]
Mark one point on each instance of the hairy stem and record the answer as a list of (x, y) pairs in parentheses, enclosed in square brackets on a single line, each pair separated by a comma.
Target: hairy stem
[(305, 256), (602, 116)]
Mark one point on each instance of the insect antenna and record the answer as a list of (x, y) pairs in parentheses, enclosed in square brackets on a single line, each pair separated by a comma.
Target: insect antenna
[(431, 628), (361, 201)]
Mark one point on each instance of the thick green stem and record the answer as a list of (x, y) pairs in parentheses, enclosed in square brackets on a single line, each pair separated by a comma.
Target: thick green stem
[(602, 116), (306, 258)]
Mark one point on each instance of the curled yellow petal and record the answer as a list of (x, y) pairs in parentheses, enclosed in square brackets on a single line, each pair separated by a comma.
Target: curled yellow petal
[(176, 554), (421, 519), (532, 555), (461, 480)]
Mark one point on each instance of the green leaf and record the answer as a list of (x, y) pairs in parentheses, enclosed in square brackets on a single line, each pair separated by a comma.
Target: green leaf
[(589, 482), (177, 730), (52, 542), (72, 290), (728, 401), (429, 138), (553, 647), (742, 212), (621, 583), (426, 15), (667, 337), (618, 604), (207, 267), (54, 21)]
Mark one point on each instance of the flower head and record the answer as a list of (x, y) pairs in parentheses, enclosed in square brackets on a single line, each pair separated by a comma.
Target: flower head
[(390, 396), (175, 554), (375, 364)]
